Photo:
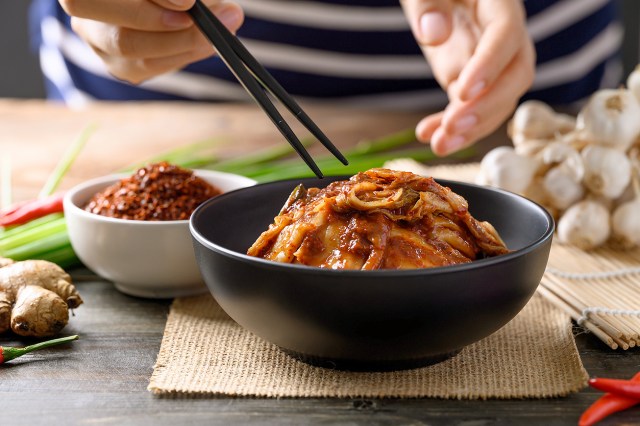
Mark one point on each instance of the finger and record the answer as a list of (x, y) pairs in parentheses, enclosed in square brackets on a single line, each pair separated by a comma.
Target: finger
[(503, 34), (136, 14), (463, 123), (506, 90), (426, 126), (450, 58), (430, 20), (139, 70), (443, 143), (156, 15), (136, 44)]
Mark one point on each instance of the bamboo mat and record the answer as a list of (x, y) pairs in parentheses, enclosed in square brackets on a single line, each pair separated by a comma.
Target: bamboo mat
[(600, 289)]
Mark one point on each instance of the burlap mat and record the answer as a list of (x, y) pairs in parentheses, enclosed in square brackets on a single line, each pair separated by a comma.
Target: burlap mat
[(204, 352)]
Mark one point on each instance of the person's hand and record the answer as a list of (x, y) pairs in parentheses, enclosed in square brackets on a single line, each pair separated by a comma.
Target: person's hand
[(481, 54), (140, 39)]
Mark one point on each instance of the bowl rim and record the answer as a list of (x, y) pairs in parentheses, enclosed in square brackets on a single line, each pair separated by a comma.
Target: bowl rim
[(486, 262), (106, 180)]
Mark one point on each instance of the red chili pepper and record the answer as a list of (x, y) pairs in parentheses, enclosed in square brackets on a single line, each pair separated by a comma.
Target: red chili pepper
[(12, 208), (8, 353), (628, 388), (25, 212), (606, 405)]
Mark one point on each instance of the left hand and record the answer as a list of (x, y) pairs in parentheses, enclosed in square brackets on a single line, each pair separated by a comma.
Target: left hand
[(481, 54)]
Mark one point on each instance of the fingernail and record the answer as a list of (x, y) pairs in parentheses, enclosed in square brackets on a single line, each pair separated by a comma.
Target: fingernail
[(465, 123), (230, 17), (432, 27), (176, 19), (475, 90), (454, 144)]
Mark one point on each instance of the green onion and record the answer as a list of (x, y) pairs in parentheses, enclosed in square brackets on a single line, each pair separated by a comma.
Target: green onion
[(393, 141), (65, 163), (34, 248), (30, 235), (64, 256), (259, 158), (331, 166)]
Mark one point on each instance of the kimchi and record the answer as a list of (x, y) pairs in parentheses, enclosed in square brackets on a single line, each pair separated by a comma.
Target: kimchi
[(378, 219)]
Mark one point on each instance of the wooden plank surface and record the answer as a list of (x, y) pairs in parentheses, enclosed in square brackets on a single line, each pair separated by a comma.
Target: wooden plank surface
[(102, 378)]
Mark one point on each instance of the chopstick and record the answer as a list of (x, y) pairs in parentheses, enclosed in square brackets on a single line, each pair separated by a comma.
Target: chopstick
[(256, 80)]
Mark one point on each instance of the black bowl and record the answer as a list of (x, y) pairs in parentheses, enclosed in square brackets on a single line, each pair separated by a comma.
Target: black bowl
[(368, 320)]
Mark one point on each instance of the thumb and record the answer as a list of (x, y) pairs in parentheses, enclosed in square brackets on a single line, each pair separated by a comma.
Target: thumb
[(430, 20)]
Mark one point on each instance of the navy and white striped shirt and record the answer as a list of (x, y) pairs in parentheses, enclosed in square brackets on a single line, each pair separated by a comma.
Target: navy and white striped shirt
[(359, 51)]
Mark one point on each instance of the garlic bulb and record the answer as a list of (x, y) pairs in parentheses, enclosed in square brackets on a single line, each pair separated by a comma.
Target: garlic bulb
[(610, 117), (529, 147), (633, 82), (564, 154), (535, 124), (564, 123), (503, 168), (585, 225), (626, 224), (607, 171), (625, 220), (536, 192), (533, 120), (561, 187)]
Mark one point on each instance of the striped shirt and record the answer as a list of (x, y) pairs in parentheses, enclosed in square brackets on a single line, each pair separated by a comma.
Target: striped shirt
[(360, 52)]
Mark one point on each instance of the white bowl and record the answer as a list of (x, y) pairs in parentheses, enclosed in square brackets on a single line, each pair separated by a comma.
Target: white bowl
[(143, 258)]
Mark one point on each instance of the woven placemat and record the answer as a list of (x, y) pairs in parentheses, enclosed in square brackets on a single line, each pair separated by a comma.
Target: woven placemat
[(204, 352)]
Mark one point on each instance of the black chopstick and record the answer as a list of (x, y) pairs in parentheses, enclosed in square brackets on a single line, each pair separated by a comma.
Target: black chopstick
[(255, 79)]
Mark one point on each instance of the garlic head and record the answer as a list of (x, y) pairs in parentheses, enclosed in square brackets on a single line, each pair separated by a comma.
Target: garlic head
[(610, 117), (585, 225), (625, 223), (561, 187), (633, 82), (561, 152), (607, 171), (535, 124), (529, 147), (502, 167), (565, 123), (533, 120)]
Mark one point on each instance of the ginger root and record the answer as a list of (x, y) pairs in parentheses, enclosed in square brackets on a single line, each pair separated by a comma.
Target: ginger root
[(35, 297)]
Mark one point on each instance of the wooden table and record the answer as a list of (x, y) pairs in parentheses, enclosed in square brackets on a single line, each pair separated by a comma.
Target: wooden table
[(102, 378)]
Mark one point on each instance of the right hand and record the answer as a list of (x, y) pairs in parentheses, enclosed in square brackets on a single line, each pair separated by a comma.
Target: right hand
[(481, 54), (140, 39)]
